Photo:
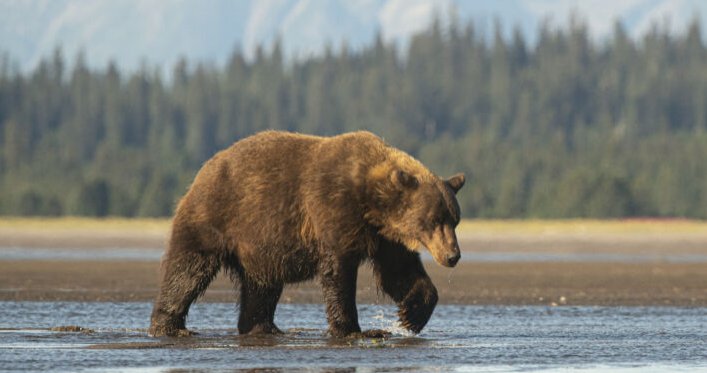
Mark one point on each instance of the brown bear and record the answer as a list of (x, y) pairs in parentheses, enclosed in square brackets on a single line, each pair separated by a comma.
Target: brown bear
[(279, 208)]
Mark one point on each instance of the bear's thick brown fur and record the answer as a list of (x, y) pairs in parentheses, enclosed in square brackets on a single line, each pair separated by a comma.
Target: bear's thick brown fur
[(278, 208)]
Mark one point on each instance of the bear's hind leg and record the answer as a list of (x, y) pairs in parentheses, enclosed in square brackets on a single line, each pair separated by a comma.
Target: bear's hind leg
[(257, 307), (185, 276)]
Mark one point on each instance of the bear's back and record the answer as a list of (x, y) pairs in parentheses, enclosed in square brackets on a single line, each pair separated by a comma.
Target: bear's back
[(267, 151), (279, 186), (257, 173), (272, 194)]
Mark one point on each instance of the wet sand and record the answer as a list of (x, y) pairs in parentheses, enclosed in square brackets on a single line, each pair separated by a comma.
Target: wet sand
[(653, 282), (679, 284)]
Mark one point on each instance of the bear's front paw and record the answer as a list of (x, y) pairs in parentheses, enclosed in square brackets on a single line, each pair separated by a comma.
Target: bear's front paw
[(415, 310), (414, 318)]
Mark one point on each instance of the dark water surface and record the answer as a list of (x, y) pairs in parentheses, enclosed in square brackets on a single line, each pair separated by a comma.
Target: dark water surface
[(154, 254), (458, 338)]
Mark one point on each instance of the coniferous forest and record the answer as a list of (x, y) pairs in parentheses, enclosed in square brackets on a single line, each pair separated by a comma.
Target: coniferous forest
[(565, 127)]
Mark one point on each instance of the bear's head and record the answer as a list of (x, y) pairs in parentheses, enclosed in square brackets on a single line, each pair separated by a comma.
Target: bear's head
[(416, 208)]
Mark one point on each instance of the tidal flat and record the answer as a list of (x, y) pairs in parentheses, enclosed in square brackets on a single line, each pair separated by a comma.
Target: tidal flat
[(628, 296)]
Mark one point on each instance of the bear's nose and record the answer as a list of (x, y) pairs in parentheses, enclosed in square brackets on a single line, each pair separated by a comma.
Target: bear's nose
[(453, 259)]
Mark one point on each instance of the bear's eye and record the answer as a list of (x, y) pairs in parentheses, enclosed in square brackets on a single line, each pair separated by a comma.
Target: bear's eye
[(433, 221)]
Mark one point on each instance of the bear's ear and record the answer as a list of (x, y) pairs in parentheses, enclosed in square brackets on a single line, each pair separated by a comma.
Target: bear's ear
[(456, 182), (402, 179)]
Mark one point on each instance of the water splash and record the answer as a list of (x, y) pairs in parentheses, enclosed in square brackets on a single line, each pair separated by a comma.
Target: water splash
[(387, 319)]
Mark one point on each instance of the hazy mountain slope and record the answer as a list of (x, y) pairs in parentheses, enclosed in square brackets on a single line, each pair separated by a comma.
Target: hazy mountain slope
[(158, 32)]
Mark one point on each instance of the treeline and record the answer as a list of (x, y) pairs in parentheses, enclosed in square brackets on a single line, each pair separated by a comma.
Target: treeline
[(563, 128)]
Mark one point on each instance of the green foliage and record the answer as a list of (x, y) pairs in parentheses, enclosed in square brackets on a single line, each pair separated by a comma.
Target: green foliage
[(586, 193), (565, 128), (93, 199)]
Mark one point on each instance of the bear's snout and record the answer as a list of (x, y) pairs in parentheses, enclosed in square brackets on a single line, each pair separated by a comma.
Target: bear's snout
[(451, 256), (453, 259), (443, 246)]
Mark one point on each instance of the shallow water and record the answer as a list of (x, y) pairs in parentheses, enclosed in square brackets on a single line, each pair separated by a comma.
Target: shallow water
[(153, 254), (458, 338)]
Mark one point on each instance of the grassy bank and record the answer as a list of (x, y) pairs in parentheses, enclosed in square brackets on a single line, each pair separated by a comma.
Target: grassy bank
[(83, 224), (530, 227), (583, 226)]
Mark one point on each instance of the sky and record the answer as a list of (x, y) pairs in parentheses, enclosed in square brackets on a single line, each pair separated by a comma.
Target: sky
[(159, 32)]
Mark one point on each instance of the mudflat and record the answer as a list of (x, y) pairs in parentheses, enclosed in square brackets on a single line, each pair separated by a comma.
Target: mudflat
[(683, 284), (647, 280)]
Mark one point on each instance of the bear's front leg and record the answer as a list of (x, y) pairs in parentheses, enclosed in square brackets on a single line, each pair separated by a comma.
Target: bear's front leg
[(338, 279), (401, 275), (416, 308)]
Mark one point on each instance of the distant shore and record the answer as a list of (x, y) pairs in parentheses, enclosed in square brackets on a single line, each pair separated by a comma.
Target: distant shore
[(650, 283)]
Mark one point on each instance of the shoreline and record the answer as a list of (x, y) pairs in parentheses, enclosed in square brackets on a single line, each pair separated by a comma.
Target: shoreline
[(654, 280), (556, 236)]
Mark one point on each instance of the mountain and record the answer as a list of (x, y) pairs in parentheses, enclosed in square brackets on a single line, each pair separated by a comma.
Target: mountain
[(157, 32)]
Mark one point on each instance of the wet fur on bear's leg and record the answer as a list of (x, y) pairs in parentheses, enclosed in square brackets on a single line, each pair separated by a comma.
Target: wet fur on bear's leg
[(400, 274), (338, 279), (257, 308), (185, 276)]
